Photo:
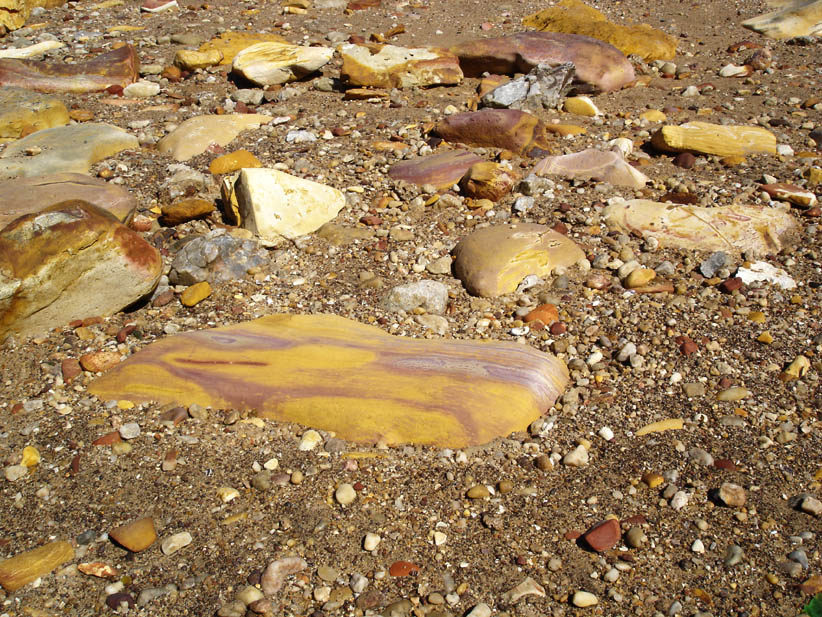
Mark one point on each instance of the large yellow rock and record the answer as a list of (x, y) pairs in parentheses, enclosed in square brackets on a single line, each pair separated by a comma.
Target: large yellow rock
[(759, 230), (272, 63), (575, 17), (23, 112), (492, 261), (14, 13), (335, 374), (196, 134), (398, 67), (24, 568), (798, 18), (229, 44), (707, 138)]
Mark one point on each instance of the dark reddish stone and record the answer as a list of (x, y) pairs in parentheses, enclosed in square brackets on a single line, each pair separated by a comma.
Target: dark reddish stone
[(685, 199), (371, 220), (558, 328), (560, 227), (442, 170), (507, 129), (636, 519), (163, 299), (178, 415), (403, 568), (361, 5), (725, 464), (603, 536), (725, 382), (71, 368), (731, 285), (107, 439), (572, 534), (74, 467), (114, 600), (685, 160), (123, 333)]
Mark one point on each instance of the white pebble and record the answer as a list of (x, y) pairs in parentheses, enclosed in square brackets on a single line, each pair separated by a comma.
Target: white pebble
[(130, 430), (310, 440), (584, 599), (174, 543), (578, 457), (606, 433), (371, 541), (698, 546), (345, 494)]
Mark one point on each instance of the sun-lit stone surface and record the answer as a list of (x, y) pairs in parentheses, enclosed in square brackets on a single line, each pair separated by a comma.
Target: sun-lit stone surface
[(398, 67), (492, 261), (443, 169), (606, 166), (272, 63), (335, 374), (22, 569), (508, 129), (230, 43), (792, 19), (707, 138), (196, 134), (760, 230)]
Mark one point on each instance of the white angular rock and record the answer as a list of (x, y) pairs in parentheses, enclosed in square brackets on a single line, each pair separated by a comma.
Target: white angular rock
[(398, 67), (271, 62), (275, 205), (174, 543), (141, 89)]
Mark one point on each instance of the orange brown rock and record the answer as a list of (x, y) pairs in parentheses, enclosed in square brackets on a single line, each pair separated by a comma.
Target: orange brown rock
[(135, 536), (507, 129)]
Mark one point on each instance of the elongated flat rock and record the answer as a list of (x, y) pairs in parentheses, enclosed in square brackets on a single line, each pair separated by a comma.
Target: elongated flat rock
[(118, 67), (335, 374), (22, 569), (230, 43), (492, 261), (707, 138), (38, 49), (608, 167), (508, 129), (575, 17), (760, 230), (798, 18), (443, 169), (196, 134), (599, 65), (398, 67)]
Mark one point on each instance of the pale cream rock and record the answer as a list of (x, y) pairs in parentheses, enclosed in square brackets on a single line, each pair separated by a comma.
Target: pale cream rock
[(398, 67), (792, 19), (196, 134), (38, 49), (275, 205), (707, 138), (271, 63), (605, 166)]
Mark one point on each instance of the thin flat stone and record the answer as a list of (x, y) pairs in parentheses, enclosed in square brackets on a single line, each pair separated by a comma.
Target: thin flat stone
[(23, 112), (338, 375), (443, 169), (196, 134), (23, 568), (600, 165), (507, 129), (793, 19)]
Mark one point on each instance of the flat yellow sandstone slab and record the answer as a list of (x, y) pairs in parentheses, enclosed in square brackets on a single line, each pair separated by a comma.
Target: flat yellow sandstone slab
[(338, 375), (707, 138), (24, 568), (671, 424), (229, 44)]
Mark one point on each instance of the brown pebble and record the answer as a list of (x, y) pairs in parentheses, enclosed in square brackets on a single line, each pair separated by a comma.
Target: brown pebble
[(603, 535), (108, 439), (135, 536), (685, 160), (731, 285), (99, 361), (70, 368), (403, 568)]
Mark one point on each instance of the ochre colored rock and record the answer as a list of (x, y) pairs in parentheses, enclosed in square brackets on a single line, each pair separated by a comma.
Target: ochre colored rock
[(443, 169), (597, 64), (335, 374), (580, 106), (26, 195), (23, 112), (229, 44), (639, 278), (792, 19), (186, 210), (135, 536), (487, 180), (15, 13), (195, 294), (507, 129), (67, 262), (758, 229), (606, 166), (191, 60), (706, 138), (24, 568), (493, 260), (272, 63), (196, 134), (118, 67), (575, 17), (99, 361), (398, 67), (546, 313), (231, 162)]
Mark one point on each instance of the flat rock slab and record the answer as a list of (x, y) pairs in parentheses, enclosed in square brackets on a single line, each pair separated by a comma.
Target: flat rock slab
[(229, 44), (27, 195), (398, 67), (68, 262), (492, 261), (507, 129), (575, 17), (605, 166), (118, 67), (64, 149), (597, 64), (24, 568), (793, 19), (443, 169), (196, 134), (335, 374), (760, 230), (23, 112), (272, 63), (720, 140)]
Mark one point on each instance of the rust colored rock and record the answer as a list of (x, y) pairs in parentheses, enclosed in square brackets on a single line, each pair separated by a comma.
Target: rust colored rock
[(507, 129), (487, 180), (731, 285), (546, 313), (70, 368), (135, 536), (108, 439), (22, 569), (598, 65), (99, 361), (67, 262), (443, 169), (403, 568), (603, 536), (118, 67), (186, 210)]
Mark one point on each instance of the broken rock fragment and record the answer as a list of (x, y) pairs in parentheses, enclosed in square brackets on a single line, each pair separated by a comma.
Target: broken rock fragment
[(605, 166), (542, 88), (335, 374), (507, 129), (216, 257), (398, 67), (271, 63), (492, 261), (196, 134), (790, 20), (487, 180)]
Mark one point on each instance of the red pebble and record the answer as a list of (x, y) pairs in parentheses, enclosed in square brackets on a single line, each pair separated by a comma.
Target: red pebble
[(558, 328), (603, 536), (70, 368), (403, 568), (107, 439), (572, 534), (731, 285), (725, 464)]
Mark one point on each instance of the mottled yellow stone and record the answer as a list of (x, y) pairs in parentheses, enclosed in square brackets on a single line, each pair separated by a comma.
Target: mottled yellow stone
[(31, 456), (580, 106), (798, 367), (757, 317), (766, 337), (195, 294), (639, 278), (135, 536), (671, 424), (233, 161), (814, 176), (707, 138), (229, 44), (563, 130), (653, 115), (652, 479), (191, 60), (24, 568)]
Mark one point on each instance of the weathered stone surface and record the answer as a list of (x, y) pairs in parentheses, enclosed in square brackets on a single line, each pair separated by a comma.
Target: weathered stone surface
[(581, 106), (196, 134), (272, 63), (233, 161), (216, 257), (598, 65), (758, 229), (195, 294), (603, 536), (135, 536), (791, 193), (429, 295), (23, 112), (38, 49), (792, 19), (186, 210), (339, 235), (26, 195), (398, 67), (335, 374), (15, 13), (68, 262), (273, 577), (118, 67), (507, 129), (575, 17), (542, 88), (22, 569), (276, 205), (706, 138), (487, 180), (63, 149), (605, 166), (492, 261), (229, 44), (443, 169), (191, 60)]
